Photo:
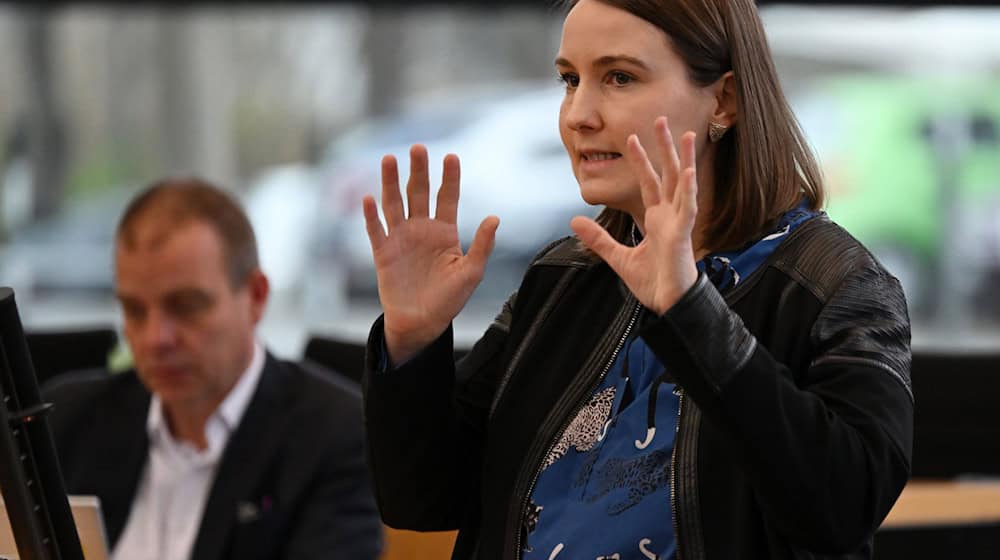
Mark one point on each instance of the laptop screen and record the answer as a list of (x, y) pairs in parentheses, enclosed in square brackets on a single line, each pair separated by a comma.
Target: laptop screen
[(89, 525)]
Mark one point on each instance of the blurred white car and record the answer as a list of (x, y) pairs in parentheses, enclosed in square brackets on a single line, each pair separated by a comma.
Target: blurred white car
[(513, 166), (280, 203), (67, 255)]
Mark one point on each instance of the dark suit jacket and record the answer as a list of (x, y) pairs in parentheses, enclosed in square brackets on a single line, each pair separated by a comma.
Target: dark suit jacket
[(291, 484)]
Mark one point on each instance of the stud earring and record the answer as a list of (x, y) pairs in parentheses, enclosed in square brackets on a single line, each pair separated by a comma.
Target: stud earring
[(716, 131)]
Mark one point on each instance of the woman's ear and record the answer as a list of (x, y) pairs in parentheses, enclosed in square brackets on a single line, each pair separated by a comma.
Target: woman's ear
[(726, 107)]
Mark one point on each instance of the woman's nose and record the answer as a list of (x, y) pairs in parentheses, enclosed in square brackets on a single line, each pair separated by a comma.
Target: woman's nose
[(582, 111)]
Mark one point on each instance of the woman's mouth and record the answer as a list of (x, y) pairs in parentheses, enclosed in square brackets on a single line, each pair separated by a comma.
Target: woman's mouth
[(599, 156), (592, 162)]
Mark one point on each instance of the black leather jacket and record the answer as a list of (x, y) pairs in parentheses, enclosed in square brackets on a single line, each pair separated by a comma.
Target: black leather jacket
[(796, 413)]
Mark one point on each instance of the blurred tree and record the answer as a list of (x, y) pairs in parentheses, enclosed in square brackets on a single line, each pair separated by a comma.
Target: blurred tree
[(46, 139), (383, 44), (14, 178), (196, 104)]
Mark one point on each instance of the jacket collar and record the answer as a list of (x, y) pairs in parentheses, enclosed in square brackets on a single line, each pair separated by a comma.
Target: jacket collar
[(241, 467)]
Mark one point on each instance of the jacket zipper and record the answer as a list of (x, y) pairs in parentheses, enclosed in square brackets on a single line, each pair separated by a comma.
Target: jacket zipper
[(565, 424), (673, 475), (532, 331)]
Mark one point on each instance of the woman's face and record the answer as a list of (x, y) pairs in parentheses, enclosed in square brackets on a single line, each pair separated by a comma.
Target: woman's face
[(621, 73)]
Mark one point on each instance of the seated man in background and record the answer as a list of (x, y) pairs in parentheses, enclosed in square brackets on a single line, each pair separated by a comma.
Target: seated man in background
[(212, 448)]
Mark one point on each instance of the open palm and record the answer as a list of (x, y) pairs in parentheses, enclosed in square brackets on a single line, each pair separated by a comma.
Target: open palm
[(661, 267), (424, 279)]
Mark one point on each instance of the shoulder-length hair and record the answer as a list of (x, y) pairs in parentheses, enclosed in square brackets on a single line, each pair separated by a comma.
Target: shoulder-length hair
[(763, 165)]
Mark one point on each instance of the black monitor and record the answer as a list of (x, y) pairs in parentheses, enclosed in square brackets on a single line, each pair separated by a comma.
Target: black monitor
[(30, 479)]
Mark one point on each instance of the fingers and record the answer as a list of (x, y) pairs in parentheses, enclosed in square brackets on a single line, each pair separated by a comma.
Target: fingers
[(447, 197), (599, 241), (482, 243), (687, 183), (649, 182), (687, 198), (668, 154), (688, 150), (376, 235), (392, 202), (418, 185), (657, 187)]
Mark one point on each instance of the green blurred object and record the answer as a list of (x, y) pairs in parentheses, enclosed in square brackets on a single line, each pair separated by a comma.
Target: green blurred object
[(120, 358), (912, 166)]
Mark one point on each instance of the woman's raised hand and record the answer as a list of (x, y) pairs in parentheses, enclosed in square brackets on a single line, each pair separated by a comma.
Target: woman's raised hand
[(424, 280), (661, 268)]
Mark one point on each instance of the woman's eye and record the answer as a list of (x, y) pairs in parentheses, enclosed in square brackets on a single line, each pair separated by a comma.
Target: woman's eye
[(620, 78), (569, 79)]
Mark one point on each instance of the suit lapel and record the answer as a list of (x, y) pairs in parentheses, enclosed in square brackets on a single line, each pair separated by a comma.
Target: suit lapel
[(247, 457), (121, 456)]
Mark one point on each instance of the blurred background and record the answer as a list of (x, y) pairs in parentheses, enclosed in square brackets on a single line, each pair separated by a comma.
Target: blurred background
[(291, 106)]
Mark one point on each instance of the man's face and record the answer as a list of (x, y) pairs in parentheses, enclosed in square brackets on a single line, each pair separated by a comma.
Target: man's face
[(190, 331)]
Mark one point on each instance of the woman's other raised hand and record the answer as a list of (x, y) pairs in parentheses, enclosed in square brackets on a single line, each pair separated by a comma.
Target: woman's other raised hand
[(424, 279), (661, 268)]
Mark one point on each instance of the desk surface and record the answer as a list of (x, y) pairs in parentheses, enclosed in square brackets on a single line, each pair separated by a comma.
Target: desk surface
[(937, 503), (923, 503)]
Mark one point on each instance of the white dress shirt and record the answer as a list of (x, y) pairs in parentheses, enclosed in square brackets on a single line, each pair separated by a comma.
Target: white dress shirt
[(170, 500)]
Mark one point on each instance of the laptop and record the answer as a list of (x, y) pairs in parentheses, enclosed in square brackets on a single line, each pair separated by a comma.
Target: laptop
[(89, 525)]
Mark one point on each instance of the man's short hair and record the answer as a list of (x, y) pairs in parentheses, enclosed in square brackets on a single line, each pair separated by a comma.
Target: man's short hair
[(169, 203)]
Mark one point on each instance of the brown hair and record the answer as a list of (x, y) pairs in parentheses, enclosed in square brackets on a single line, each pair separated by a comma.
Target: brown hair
[(763, 165), (173, 201)]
